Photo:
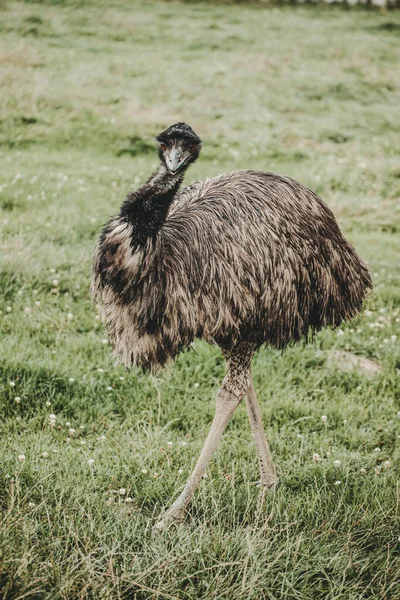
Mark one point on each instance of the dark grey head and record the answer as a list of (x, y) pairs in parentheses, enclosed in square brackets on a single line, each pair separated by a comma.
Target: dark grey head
[(178, 146)]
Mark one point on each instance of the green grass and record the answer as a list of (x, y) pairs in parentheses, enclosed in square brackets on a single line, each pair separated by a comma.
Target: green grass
[(311, 93)]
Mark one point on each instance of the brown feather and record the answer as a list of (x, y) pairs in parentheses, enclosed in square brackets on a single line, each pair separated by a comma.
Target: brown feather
[(248, 256)]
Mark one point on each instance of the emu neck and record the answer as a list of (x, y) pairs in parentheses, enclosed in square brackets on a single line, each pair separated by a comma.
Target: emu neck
[(147, 208)]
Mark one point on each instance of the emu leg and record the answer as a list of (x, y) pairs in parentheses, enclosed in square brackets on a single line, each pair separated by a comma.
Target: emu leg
[(226, 404), (267, 470)]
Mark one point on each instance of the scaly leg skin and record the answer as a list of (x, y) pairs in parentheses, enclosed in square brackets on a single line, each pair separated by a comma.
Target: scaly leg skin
[(229, 396), (225, 406), (268, 475)]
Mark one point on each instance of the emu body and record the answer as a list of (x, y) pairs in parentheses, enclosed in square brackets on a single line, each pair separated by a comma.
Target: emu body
[(241, 260)]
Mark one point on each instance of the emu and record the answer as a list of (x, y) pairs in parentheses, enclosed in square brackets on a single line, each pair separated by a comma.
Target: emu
[(242, 260)]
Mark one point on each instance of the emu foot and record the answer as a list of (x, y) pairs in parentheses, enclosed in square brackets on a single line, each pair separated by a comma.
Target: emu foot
[(173, 515), (269, 483)]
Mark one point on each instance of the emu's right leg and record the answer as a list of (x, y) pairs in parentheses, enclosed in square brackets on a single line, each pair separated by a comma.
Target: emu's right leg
[(230, 394), (268, 475)]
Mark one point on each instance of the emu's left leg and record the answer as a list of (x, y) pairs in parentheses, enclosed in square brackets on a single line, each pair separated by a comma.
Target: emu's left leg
[(268, 475), (230, 394)]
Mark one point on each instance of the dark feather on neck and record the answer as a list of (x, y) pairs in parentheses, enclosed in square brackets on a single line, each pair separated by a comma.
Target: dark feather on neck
[(147, 208)]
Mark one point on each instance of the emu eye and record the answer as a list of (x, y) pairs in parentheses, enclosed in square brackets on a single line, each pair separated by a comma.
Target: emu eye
[(193, 147), (163, 147)]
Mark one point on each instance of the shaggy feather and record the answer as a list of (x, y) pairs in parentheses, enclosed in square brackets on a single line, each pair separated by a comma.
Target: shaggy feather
[(246, 257)]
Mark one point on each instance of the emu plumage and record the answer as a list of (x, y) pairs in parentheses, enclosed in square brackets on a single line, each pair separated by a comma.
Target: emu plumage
[(241, 260)]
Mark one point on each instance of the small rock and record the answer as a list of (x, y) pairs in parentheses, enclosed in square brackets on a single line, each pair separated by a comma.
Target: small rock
[(347, 361)]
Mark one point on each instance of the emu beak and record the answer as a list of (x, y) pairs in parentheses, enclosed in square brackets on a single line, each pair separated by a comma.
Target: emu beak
[(174, 159)]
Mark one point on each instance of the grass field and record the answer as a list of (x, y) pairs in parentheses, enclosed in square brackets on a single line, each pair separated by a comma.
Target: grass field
[(311, 93)]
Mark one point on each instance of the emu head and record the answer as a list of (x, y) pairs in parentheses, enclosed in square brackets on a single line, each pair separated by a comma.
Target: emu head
[(178, 147)]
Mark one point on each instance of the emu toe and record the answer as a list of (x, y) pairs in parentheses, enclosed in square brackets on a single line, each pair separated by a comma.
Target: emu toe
[(172, 516), (269, 485)]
